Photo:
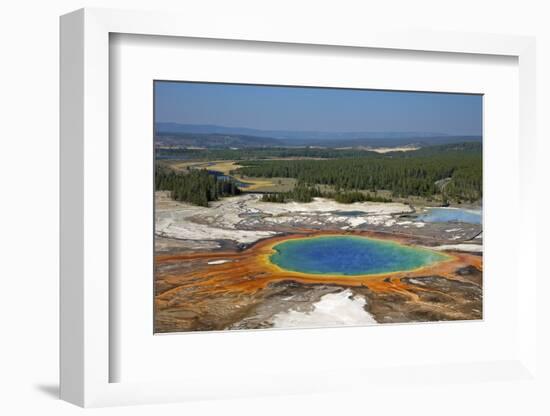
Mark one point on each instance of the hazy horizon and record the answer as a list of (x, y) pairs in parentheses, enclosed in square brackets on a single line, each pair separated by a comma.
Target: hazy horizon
[(318, 131), (310, 109)]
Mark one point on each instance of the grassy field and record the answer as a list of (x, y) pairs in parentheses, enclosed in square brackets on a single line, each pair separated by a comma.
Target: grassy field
[(226, 166), (269, 185)]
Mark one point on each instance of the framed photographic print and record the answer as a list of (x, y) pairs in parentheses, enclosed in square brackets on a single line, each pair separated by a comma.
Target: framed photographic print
[(238, 206)]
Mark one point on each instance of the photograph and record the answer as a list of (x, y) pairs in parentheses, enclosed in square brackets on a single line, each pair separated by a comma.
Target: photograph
[(287, 206)]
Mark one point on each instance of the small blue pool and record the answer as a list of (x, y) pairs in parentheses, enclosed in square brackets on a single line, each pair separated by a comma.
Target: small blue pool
[(451, 215)]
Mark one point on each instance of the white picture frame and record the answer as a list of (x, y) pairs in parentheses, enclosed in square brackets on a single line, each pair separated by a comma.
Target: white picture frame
[(86, 356)]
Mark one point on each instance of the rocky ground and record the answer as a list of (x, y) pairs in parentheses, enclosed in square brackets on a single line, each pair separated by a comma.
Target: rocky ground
[(206, 277)]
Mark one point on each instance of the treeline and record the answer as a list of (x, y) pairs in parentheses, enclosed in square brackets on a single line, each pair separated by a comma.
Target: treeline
[(305, 193), (195, 186), (414, 173), (300, 193), (466, 184), (305, 152), (259, 153)]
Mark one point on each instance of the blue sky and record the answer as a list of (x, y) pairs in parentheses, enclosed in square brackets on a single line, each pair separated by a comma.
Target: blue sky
[(317, 109)]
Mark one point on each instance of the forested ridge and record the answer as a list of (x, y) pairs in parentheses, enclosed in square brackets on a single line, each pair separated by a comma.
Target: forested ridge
[(303, 152), (402, 173), (259, 153)]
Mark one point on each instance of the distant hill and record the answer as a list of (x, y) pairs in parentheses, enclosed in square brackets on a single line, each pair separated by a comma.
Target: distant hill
[(401, 141), (163, 129), (198, 135), (216, 140)]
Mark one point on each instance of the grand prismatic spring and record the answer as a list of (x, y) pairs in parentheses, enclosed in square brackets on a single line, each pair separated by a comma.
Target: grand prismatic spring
[(350, 256)]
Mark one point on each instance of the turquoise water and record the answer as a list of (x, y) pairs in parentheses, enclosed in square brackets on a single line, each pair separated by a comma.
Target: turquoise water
[(451, 215), (350, 256)]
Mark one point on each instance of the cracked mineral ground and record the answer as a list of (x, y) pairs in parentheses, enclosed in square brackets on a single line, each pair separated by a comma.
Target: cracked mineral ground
[(213, 268)]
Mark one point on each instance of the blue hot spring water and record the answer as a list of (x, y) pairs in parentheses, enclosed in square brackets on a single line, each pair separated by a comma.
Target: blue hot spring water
[(350, 256), (451, 215)]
